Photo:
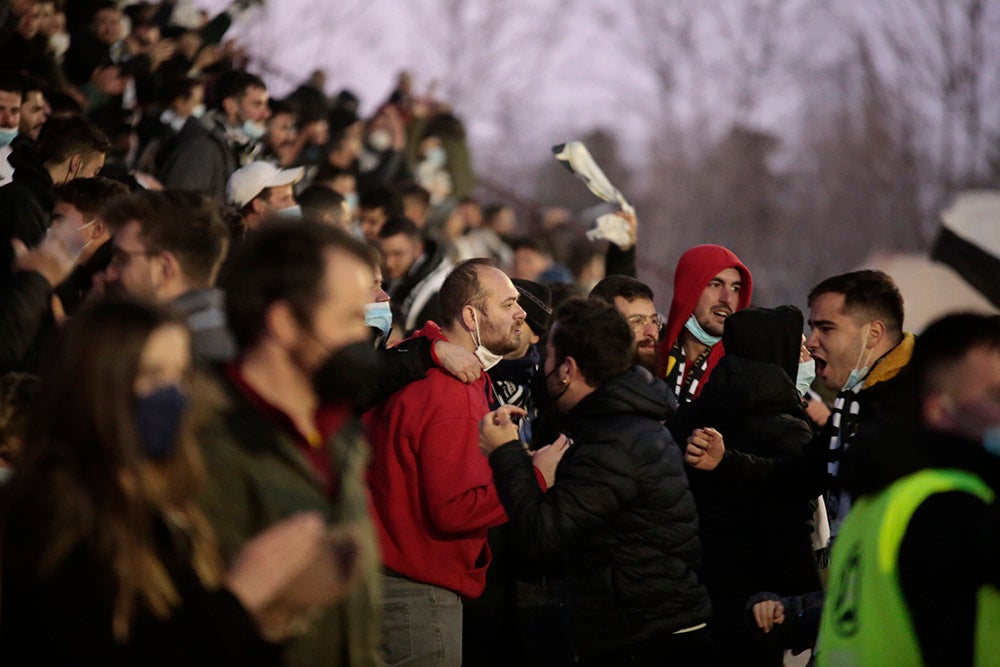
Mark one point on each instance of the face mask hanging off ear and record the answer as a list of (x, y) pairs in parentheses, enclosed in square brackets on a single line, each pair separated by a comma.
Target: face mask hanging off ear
[(486, 358), (860, 371)]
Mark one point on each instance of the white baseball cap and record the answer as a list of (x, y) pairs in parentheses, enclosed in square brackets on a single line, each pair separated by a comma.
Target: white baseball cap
[(249, 181)]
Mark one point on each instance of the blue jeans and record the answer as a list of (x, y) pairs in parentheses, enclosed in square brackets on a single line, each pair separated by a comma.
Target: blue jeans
[(421, 624)]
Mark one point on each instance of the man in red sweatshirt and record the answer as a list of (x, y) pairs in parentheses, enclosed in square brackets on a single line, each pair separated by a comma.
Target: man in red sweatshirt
[(431, 489), (710, 284)]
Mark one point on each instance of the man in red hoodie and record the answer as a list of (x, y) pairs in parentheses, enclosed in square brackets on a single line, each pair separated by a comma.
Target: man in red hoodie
[(710, 284), (431, 489)]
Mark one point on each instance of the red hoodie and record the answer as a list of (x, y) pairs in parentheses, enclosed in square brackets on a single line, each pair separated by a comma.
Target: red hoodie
[(431, 487), (695, 270)]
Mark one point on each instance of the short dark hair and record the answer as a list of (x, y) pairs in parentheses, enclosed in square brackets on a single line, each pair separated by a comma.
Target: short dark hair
[(415, 190), (327, 172), (399, 225), (11, 83), (462, 287), (946, 341), (61, 138), (377, 198), (872, 294), (235, 83), (626, 287), (316, 199), (282, 261), (90, 195), (62, 104), (32, 84), (278, 106), (178, 89), (537, 243), (596, 335), (187, 224)]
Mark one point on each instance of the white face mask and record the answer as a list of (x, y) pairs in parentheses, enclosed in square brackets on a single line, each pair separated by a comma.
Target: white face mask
[(486, 358), (198, 111)]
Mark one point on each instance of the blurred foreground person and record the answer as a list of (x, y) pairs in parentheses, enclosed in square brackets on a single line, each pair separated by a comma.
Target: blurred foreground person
[(288, 440), (107, 558)]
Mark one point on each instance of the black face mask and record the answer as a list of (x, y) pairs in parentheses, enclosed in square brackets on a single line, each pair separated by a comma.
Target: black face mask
[(348, 376)]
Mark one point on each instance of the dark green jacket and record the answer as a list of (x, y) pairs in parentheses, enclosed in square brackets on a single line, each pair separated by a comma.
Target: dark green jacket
[(256, 476)]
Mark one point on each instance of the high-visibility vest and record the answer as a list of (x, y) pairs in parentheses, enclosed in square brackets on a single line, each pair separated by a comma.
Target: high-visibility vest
[(865, 620)]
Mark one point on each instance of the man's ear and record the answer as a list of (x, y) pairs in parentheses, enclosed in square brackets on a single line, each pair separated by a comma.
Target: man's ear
[(259, 204), (937, 411), (571, 369), (99, 230), (469, 317), (281, 323), (876, 333), (230, 107), (171, 265)]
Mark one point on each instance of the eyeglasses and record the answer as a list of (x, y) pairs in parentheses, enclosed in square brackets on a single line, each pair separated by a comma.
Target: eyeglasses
[(120, 258), (640, 321)]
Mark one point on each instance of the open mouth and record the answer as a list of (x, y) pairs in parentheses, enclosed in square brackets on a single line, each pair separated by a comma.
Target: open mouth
[(722, 312), (820, 365)]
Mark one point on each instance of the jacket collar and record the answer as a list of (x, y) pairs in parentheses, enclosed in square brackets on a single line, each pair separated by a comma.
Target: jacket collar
[(892, 362)]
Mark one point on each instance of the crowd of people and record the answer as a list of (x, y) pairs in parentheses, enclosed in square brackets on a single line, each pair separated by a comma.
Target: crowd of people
[(276, 388)]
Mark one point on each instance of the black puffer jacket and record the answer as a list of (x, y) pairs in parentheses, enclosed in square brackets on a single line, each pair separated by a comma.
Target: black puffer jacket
[(620, 517), (756, 408), (753, 542)]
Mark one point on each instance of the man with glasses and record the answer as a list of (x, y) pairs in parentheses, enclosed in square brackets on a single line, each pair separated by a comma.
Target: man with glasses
[(634, 300), (167, 248)]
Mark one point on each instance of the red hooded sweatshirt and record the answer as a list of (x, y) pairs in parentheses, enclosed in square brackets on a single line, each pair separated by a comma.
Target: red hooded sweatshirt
[(695, 270), (431, 487)]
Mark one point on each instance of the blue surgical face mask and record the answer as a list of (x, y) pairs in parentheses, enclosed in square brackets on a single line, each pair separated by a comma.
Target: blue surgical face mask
[(5, 475), (805, 376), (290, 212), (694, 328), (860, 372), (991, 440), (379, 316), (7, 135), (254, 130), (158, 419), (436, 157)]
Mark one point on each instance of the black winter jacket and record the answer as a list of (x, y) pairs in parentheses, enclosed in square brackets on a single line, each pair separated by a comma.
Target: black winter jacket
[(751, 542), (620, 517)]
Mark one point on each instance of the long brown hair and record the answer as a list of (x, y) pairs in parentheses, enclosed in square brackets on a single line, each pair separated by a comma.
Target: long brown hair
[(82, 452)]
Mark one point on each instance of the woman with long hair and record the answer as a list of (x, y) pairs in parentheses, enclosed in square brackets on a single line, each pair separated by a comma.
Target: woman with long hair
[(106, 556)]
